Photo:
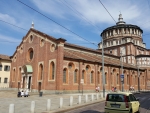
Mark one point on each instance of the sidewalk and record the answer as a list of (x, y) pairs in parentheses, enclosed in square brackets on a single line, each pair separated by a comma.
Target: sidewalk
[(23, 104)]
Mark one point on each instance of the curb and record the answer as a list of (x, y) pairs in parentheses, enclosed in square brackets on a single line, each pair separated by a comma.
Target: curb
[(68, 108)]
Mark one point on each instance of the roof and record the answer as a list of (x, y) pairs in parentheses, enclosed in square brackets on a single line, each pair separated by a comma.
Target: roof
[(4, 57), (124, 93), (122, 26), (95, 58)]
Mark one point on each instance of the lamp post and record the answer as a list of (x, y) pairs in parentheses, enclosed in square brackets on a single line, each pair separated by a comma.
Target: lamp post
[(122, 76), (138, 77), (103, 69)]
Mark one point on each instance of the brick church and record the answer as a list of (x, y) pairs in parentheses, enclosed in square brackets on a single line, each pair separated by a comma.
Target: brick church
[(44, 63)]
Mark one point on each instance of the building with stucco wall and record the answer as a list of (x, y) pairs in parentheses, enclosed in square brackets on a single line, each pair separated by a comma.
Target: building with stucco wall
[(5, 64)]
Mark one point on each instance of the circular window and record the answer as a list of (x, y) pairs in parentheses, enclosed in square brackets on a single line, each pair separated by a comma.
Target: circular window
[(31, 38), (52, 48), (30, 54), (21, 49), (42, 42)]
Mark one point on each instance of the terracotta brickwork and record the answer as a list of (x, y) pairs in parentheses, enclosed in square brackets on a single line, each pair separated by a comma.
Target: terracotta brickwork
[(33, 69)]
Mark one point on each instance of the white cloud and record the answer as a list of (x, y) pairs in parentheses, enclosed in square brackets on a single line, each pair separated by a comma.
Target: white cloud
[(5, 38), (53, 7), (7, 18)]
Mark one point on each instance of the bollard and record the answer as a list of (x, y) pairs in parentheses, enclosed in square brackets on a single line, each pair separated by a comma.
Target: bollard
[(92, 97), (48, 104), (79, 99), (32, 106), (11, 108), (61, 102), (97, 96), (86, 98), (71, 100)]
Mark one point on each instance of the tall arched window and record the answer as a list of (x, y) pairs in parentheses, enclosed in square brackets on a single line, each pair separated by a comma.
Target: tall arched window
[(19, 75), (135, 80), (143, 80), (98, 77), (40, 71), (92, 77), (128, 79), (117, 79), (52, 71), (65, 76), (84, 76), (13, 77), (76, 76), (105, 78)]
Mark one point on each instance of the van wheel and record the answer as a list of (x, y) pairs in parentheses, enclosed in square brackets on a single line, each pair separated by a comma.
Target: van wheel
[(138, 110)]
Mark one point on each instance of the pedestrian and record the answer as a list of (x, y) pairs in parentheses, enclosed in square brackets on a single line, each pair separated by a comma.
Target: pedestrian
[(19, 94), (22, 93), (115, 89), (112, 89), (26, 93), (98, 88), (133, 88)]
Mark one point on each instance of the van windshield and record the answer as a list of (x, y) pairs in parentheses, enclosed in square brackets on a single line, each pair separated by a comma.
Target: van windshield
[(116, 97)]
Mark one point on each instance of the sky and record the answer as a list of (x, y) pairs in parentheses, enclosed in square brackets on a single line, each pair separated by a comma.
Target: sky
[(80, 22)]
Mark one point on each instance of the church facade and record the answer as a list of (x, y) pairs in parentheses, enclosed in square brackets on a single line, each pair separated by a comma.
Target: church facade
[(44, 63)]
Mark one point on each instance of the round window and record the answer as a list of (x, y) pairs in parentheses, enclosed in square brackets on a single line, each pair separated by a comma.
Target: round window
[(42, 42), (52, 48)]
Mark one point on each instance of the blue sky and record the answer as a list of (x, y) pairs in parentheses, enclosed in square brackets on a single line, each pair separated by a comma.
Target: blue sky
[(86, 18)]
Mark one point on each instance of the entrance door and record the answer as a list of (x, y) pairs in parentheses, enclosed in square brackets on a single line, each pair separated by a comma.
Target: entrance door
[(29, 83), (39, 88)]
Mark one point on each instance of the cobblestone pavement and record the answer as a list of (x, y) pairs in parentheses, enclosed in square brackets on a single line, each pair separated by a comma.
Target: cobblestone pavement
[(23, 104)]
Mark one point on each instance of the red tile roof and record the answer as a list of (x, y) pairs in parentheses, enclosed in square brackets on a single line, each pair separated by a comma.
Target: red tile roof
[(5, 57)]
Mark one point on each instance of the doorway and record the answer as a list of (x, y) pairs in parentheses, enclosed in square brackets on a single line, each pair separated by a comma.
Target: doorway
[(39, 88), (29, 83), (23, 85)]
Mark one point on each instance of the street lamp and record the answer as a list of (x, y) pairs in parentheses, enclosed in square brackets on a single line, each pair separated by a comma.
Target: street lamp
[(103, 69), (122, 76), (138, 77)]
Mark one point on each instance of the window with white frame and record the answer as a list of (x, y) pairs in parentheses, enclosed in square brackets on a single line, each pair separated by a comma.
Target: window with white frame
[(1, 67), (6, 68)]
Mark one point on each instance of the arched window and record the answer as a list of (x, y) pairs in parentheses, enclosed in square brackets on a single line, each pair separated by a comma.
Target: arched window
[(30, 54), (105, 78), (92, 77), (143, 80), (65, 76), (19, 75), (135, 80), (52, 71), (84, 76), (98, 77), (40, 71), (128, 79), (117, 79), (76, 76), (13, 77)]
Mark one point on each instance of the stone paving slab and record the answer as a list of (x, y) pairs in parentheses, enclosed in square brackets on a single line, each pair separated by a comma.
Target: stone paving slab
[(23, 104)]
